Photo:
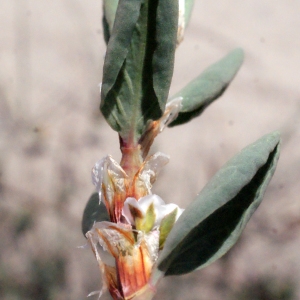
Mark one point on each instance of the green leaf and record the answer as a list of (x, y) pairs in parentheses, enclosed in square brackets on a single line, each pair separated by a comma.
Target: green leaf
[(110, 9), (93, 212), (207, 87), (138, 65), (211, 225), (109, 13)]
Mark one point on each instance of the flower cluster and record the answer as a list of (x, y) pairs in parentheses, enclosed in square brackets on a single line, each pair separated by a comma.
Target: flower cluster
[(127, 247)]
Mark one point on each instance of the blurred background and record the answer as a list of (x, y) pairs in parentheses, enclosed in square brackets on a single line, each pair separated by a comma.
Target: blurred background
[(52, 133)]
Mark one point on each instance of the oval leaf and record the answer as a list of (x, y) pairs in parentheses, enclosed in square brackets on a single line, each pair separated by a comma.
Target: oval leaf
[(207, 87), (93, 212), (211, 225), (138, 65)]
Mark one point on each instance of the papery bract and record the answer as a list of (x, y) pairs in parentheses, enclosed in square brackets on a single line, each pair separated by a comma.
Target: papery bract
[(132, 256), (110, 181)]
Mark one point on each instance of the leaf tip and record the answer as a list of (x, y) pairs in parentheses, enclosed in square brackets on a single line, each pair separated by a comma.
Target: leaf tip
[(236, 57), (239, 53), (273, 138)]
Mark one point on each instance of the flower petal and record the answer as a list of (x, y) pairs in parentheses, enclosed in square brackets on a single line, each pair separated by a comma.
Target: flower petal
[(167, 209), (130, 205), (148, 212), (146, 201)]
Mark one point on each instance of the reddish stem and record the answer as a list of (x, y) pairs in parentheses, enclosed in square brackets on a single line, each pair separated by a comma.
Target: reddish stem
[(131, 157)]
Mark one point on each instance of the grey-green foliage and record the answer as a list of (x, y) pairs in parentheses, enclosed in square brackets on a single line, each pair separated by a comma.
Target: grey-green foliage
[(110, 9), (211, 224), (141, 36), (138, 65), (208, 86)]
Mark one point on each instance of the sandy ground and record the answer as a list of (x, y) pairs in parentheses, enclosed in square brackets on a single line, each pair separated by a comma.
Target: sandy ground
[(51, 134)]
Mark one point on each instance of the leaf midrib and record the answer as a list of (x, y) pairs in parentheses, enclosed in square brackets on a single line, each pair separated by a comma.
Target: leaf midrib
[(140, 28)]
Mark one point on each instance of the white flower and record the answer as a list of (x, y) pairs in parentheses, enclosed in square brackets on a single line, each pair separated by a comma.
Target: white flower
[(151, 209)]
